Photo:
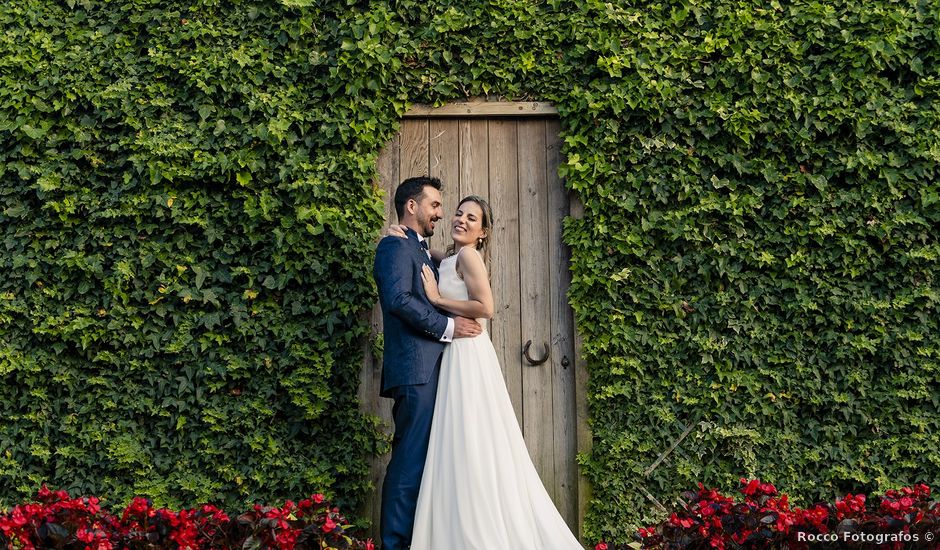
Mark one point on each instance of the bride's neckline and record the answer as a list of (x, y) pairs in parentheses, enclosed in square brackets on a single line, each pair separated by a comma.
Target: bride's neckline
[(456, 252)]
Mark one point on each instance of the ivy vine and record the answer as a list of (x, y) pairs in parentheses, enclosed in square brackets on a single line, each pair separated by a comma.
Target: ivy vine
[(188, 216)]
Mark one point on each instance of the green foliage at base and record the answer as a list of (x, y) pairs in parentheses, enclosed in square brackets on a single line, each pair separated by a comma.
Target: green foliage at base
[(187, 218)]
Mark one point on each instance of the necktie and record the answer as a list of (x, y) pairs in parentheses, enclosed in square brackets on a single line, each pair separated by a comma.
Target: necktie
[(427, 250)]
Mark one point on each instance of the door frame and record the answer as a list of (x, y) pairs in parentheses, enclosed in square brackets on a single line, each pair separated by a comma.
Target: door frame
[(481, 108)]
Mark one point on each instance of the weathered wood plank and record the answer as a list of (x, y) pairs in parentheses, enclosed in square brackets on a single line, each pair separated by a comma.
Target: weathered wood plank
[(474, 164), (413, 160), (563, 390), (538, 419), (482, 108), (444, 161), (504, 263), (387, 166), (474, 158)]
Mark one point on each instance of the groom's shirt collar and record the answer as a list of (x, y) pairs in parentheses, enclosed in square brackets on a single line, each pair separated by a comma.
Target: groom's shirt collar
[(420, 239), (426, 249)]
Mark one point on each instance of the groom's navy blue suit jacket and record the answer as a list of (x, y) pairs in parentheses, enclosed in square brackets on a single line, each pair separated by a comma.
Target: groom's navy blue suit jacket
[(413, 327)]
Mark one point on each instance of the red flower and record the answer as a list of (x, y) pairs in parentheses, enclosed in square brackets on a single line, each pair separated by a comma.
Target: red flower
[(600, 546), (328, 525), (708, 494), (287, 539), (705, 521), (84, 535), (750, 487), (850, 505), (203, 527), (685, 523)]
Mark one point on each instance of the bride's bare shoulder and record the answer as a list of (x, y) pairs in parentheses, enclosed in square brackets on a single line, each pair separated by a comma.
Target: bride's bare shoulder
[(469, 252), (470, 258)]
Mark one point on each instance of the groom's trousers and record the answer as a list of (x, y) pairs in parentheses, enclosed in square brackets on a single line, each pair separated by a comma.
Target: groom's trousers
[(412, 413)]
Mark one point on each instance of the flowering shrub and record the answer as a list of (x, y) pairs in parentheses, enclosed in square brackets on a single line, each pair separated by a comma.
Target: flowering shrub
[(904, 518), (56, 520)]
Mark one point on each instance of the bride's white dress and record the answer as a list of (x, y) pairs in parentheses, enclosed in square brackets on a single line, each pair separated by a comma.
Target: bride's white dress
[(480, 489)]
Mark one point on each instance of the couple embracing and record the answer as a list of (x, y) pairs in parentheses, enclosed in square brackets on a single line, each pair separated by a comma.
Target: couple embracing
[(460, 476)]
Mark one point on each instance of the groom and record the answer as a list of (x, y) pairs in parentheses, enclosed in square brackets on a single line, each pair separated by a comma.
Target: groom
[(415, 335)]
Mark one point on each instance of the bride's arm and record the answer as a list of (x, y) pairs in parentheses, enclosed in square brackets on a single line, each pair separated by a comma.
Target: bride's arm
[(471, 267)]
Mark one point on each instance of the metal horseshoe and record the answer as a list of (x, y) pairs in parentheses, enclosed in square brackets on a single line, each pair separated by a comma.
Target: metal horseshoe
[(535, 362)]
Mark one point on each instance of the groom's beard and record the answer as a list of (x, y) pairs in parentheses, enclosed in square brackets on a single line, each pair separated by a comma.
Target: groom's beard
[(426, 226)]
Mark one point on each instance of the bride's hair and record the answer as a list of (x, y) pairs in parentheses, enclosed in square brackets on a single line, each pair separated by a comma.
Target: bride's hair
[(486, 223)]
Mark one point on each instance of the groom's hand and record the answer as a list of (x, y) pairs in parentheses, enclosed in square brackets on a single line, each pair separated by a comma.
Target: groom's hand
[(466, 328)]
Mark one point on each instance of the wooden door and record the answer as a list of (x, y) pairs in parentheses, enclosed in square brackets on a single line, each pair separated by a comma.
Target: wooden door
[(513, 163)]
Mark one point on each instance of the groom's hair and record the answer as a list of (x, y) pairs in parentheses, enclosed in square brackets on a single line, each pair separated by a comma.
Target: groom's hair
[(412, 188)]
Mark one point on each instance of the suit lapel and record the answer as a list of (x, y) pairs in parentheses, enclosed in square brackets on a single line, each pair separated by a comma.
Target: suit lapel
[(413, 238)]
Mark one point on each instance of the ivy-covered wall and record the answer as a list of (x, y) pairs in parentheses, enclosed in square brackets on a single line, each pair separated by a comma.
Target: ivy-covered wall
[(760, 257), (187, 219), (187, 215)]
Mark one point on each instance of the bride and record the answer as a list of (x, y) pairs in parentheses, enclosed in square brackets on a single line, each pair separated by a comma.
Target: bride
[(480, 489)]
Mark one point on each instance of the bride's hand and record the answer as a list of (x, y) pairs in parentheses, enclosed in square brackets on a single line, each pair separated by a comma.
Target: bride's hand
[(430, 285), (396, 231)]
